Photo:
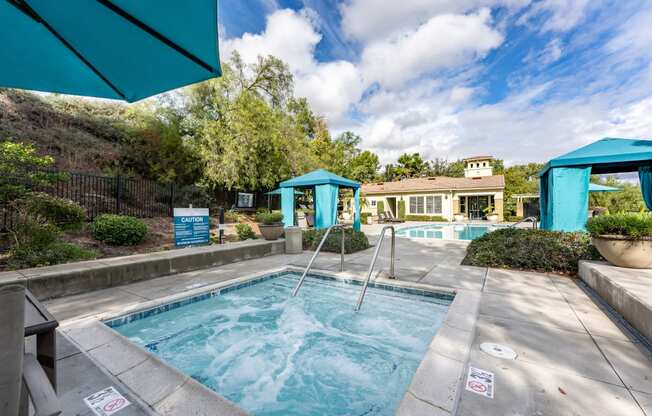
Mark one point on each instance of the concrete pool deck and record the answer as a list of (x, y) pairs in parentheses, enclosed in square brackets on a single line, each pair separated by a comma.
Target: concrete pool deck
[(572, 357)]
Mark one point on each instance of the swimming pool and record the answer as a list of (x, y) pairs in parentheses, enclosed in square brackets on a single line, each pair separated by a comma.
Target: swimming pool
[(447, 231), (309, 355)]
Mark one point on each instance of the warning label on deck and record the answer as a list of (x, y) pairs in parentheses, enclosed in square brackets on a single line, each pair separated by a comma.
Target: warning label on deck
[(106, 402), (480, 382)]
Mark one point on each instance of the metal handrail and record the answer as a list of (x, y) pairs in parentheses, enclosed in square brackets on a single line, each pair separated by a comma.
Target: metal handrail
[(533, 219), (314, 256), (373, 262)]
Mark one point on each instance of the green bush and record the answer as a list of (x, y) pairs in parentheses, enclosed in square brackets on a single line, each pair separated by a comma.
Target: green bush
[(401, 209), (29, 232), (230, 216), (512, 218), (380, 207), (364, 217), (245, 232), (625, 224), (262, 211), (353, 240), (528, 249), (58, 252), (63, 213), (269, 218), (435, 218), (118, 230)]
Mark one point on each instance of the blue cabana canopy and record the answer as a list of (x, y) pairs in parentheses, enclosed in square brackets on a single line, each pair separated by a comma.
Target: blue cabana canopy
[(278, 192), (326, 188), (565, 186), (121, 49), (596, 187)]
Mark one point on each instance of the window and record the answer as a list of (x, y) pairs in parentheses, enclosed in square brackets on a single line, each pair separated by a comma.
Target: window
[(373, 202), (433, 204), (416, 205), (463, 205)]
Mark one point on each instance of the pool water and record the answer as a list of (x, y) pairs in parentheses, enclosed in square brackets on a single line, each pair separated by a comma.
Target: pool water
[(310, 355), (446, 231)]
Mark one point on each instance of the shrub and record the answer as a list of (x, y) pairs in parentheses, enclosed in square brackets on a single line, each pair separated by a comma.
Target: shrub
[(528, 249), (262, 211), (353, 240), (436, 218), (513, 218), (364, 217), (61, 212), (29, 232), (380, 207), (230, 216), (245, 232), (118, 230), (401, 209), (269, 218), (58, 252), (625, 224)]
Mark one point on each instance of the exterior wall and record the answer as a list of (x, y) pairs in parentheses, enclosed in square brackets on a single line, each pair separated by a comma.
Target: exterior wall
[(446, 204), (478, 168)]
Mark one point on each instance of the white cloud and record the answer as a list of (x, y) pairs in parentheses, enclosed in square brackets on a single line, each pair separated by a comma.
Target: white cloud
[(444, 41), (551, 53), (367, 20), (331, 88), (559, 15)]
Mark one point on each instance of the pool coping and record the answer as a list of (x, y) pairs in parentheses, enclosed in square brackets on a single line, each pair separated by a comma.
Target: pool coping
[(435, 386)]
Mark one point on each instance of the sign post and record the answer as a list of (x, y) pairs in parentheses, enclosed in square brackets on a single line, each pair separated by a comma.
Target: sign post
[(191, 226)]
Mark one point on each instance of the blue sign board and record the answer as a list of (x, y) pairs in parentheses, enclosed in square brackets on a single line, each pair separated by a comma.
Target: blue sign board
[(191, 226)]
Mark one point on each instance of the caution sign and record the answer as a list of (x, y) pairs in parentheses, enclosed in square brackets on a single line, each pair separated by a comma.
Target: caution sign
[(106, 402), (480, 382)]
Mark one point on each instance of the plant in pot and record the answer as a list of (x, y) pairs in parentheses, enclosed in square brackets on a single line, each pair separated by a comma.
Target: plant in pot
[(270, 225), (625, 239), (490, 214)]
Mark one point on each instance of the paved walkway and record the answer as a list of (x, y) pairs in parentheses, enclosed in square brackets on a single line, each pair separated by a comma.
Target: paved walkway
[(573, 359)]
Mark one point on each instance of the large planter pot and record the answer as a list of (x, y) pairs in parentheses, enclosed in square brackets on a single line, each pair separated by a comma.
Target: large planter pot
[(492, 217), (625, 252), (458, 217), (271, 231)]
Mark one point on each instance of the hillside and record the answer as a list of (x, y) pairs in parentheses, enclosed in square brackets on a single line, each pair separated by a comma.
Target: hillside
[(82, 135)]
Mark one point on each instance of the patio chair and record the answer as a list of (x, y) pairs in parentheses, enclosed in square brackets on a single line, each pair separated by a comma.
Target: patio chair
[(392, 218), (22, 377)]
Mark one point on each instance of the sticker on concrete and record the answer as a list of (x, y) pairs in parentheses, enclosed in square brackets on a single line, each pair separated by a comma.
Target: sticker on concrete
[(480, 382), (106, 402)]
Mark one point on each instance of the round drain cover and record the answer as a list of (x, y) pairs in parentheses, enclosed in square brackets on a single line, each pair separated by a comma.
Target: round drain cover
[(497, 350)]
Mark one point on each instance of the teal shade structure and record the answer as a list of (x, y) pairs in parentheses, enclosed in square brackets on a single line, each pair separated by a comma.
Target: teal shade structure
[(120, 49), (326, 189), (565, 180), (278, 192), (645, 177), (596, 187)]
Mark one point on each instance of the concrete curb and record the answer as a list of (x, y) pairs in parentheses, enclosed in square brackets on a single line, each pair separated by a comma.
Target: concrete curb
[(75, 278)]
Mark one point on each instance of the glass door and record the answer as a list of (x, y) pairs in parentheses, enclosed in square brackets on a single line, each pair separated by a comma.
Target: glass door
[(477, 205)]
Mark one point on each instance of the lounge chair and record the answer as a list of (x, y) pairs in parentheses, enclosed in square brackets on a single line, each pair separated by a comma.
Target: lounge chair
[(382, 218), (391, 218), (22, 377)]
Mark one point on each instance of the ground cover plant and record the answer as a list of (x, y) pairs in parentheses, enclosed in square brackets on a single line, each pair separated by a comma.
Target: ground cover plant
[(631, 225), (245, 232), (528, 249), (353, 240)]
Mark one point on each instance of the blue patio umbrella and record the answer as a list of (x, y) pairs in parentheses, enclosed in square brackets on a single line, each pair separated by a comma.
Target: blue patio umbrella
[(120, 49)]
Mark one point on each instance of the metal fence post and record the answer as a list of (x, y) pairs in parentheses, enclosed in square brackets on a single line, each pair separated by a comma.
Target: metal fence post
[(221, 230), (118, 194), (171, 199)]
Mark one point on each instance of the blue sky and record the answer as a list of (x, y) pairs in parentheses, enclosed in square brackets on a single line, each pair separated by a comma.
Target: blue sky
[(521, 79)]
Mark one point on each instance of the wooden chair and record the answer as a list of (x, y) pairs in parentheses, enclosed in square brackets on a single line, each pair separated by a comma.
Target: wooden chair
[(22, 377)]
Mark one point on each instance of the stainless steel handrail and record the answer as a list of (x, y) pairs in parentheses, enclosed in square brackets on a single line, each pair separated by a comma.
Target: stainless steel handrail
[(373, 262), (314, 256), (528, 219)]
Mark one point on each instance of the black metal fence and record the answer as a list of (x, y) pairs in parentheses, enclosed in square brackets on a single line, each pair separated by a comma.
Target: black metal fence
[(112, 195), (126, 196)]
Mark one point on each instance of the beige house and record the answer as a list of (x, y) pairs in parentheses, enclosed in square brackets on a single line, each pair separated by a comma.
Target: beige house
[(440, 195)]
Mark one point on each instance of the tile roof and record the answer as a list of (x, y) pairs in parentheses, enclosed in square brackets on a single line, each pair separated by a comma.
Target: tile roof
[(436, 183)]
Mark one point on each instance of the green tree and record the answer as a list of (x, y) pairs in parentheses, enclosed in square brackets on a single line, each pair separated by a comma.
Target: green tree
[(628, 199), (247, 128), (412, 165), (364, 167), (21, 168), (520, 179)]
